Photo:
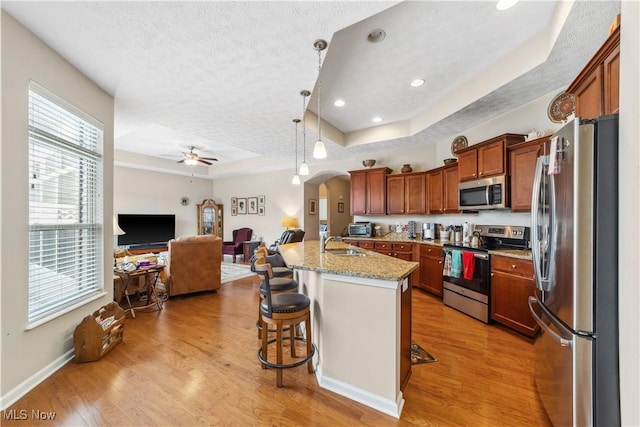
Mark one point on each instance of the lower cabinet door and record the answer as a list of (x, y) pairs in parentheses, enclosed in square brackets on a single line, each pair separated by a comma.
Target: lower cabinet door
[(509, 302)]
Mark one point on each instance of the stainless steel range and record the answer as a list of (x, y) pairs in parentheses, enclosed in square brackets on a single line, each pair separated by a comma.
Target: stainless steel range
[(467, 282)]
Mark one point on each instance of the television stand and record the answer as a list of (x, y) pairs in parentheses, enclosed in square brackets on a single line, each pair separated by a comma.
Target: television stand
[(144, 249)]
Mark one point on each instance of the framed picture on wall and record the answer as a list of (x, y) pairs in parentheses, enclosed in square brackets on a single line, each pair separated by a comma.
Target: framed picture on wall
[(234, 201), (340, 207), (313, 206), (242, 206), (252, 205), (261, 200), (261, 210), (234, 210)]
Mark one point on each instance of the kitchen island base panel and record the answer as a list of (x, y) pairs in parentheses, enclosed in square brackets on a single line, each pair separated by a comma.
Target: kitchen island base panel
[(356, 325), (386, 406)]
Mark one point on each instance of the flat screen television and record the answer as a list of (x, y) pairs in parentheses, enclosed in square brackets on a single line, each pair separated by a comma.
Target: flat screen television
[(146, 229)]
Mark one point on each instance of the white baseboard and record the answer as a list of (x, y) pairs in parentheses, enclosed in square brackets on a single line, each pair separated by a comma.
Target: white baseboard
[(384, 405), (27, 385)]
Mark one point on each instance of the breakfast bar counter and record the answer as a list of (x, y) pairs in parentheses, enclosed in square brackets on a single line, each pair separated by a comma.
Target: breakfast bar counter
[(361, 320)]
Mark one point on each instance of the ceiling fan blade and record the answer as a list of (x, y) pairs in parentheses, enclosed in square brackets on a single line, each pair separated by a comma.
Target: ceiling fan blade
[(209, 158), (204, 161)]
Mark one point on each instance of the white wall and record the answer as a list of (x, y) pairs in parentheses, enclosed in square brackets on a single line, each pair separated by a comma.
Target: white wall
[(139, 191), (27, 357), (629, 206), (339, 191)]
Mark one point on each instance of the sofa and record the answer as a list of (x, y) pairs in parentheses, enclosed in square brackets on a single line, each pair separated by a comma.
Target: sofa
[(193, 264)]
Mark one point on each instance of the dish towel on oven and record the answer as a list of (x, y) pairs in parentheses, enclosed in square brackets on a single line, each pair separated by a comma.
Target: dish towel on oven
[(456, 263), (468, 264), (446, 270)]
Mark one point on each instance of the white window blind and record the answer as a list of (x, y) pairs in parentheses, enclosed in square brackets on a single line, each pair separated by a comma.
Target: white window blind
[(65, 204)]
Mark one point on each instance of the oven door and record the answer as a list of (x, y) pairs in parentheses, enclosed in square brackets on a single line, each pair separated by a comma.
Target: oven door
[(480, 281)]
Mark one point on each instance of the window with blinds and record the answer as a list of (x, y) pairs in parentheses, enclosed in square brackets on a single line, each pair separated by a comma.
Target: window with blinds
[(65, 205)]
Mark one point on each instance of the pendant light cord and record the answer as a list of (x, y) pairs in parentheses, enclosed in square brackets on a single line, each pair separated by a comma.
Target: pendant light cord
[(319, 93)]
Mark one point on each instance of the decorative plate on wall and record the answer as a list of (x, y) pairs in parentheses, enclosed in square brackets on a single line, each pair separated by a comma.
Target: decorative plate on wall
[(459, 142), (561, 107)]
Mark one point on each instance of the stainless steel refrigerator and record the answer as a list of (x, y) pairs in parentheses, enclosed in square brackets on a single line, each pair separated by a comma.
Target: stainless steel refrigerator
[(574, 241)]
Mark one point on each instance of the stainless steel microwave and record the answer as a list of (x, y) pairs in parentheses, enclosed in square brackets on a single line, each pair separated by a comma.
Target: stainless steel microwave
[(486, 193), (361, 229)]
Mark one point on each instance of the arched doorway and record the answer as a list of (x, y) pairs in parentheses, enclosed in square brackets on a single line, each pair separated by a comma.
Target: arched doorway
[(338, 206)]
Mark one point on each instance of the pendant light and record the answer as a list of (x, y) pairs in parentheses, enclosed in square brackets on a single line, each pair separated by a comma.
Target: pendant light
[(304, 168), (296, 177), (319, 150)]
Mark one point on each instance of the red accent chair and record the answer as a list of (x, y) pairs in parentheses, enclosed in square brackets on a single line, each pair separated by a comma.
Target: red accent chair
[(235, 247)]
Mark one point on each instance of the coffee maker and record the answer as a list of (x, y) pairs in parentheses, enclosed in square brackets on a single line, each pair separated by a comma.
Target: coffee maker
[(430, 231), (412, 229)]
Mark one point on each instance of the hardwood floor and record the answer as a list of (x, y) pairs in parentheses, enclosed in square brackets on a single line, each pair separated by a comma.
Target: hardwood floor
[(194, 363)]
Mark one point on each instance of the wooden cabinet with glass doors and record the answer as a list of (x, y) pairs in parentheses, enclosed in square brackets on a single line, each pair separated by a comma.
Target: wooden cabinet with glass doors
[(210, 218)]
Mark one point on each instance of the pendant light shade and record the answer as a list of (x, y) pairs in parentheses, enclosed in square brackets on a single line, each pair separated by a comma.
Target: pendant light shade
[(319, 150), (304, 167), (296, 178)]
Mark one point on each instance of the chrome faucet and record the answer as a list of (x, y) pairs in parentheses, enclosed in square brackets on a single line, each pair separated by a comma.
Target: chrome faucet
[(324, 240)]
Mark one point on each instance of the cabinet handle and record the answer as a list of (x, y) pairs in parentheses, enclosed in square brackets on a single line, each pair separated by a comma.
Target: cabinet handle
[(474, 174), (514, 266), (480, 173), (439, 262), (491, 274)]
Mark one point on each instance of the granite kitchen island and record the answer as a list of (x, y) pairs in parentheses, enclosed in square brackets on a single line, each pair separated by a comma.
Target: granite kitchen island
[(361, 320)]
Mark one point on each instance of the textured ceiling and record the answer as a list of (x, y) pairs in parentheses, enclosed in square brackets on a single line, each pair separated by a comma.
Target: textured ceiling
[(225, 76)]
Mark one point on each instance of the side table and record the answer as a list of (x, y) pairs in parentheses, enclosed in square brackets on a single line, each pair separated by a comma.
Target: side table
[(150, 275), (248, 248)]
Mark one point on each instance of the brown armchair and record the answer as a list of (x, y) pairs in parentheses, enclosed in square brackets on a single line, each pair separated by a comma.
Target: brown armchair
[(235, 247), (193, 264)]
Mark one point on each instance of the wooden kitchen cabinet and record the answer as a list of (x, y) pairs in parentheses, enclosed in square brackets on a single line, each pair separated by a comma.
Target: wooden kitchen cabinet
[(406, 194), (442, 190), (369, 191), (512, 283), (431, 258), (597, 87), (395, 194), (522, 167), (487, 158)]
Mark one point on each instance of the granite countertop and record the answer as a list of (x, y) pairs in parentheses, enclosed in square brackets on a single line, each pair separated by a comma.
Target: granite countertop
[(404, 238), (307, 256)]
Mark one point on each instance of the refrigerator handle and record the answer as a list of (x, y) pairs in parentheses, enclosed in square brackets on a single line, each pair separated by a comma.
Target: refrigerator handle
[(562, 341), (535, 212)]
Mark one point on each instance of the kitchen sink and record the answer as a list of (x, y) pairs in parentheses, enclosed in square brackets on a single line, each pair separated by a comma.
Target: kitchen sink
[(345, 252)]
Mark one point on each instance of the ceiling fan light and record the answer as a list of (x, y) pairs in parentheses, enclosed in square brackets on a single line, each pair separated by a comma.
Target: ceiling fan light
[(296, 179), (191, 162), (304, 169), (319, 150)]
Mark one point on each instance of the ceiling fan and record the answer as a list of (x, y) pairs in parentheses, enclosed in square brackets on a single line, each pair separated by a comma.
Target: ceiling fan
[(192, 158)]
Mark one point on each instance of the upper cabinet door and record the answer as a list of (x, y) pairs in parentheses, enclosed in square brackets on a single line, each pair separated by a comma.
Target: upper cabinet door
[(377, 191), (414, 194), (612, 82), (395, 194), (589, 96), (358, 193), (491, 159), (435, 199), (468, 165), (450, 190)]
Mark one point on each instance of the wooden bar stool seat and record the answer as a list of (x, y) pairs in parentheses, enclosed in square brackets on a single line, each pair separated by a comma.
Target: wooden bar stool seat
[(280, 311)]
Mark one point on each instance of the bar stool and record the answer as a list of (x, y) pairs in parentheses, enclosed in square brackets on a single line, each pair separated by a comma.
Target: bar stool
[(278, 271), (284, 310), (278, 285)]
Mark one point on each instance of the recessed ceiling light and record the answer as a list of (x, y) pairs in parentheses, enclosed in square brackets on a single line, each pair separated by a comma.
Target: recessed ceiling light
[(505, 4), (376, 119), (339, 103), (417, 82), (376, 36)]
